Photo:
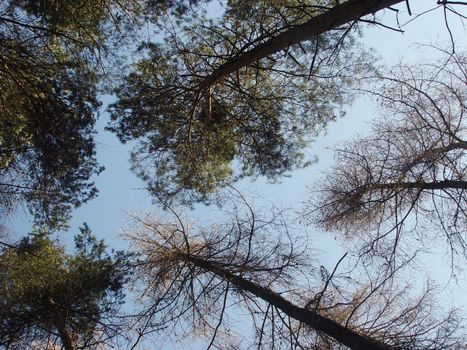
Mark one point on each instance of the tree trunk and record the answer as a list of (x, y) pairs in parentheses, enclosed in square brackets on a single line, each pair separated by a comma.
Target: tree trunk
[(437, 185), (346, 12), (60, 324), (343, 335), (66, 338)]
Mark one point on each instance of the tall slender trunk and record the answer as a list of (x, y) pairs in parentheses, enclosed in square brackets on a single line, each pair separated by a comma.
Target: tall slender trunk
[(343, 335), (347, 12)]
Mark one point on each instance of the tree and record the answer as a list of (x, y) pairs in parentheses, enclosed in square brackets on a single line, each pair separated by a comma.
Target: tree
[(262, 116), (195, 281), (242, 95), (408, 178), (210, 103), (54, 56), (48, 106), (51, 297)]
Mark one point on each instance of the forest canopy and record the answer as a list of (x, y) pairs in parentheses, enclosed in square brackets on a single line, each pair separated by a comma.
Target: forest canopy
[(263, 116), (208, 93)]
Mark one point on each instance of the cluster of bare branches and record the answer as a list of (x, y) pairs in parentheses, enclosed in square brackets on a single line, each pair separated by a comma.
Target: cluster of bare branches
[(196, 281), (408, 177)]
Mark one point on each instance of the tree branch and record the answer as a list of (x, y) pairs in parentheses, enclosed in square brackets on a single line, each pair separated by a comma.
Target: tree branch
[(346, 12), (436, 185), (343, 335)]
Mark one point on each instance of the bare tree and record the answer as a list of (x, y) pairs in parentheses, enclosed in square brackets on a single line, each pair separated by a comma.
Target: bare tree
[(193, 282), (408, 179)]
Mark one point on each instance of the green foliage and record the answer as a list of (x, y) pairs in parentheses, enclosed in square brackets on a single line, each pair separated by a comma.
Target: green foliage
[(48, 107), (47, 116), (42, 286), (257, 121), (54, 56)]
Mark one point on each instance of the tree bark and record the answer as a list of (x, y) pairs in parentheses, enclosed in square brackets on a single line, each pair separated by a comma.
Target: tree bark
[(343, 335), (346, 12), (436, 185), (60, 324), (66, 338)]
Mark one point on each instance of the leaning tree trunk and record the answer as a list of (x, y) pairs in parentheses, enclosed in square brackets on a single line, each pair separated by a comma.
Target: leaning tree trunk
[(346, 12), (343, 335)]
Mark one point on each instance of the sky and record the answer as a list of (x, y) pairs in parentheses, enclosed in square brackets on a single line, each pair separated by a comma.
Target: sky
[(121, 193)]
